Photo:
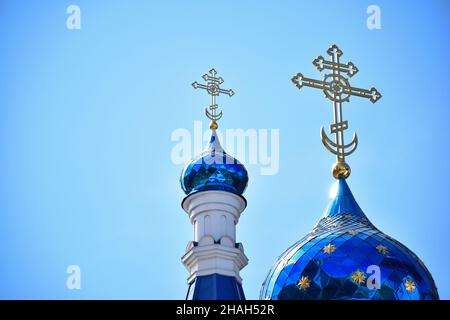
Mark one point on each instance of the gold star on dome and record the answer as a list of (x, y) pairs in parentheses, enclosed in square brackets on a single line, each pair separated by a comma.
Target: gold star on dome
[(304, 283), (382, 249), (352, 232), (410, 285), (329, 248), (359, 277)]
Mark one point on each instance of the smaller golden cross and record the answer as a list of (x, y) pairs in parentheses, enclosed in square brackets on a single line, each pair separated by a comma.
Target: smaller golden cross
[(212, 86)]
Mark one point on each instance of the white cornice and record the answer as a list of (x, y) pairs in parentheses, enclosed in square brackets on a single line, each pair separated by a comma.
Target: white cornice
[(214, 258)]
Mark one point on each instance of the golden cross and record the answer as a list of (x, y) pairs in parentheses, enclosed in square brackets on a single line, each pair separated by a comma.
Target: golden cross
[(213, 89), (337, 88)]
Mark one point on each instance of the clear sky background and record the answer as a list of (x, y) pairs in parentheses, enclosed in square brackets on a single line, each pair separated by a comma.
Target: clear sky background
[(86, 118)]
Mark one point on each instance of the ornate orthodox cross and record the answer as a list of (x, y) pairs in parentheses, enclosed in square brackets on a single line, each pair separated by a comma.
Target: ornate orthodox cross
[(337, 88), (212, 86)]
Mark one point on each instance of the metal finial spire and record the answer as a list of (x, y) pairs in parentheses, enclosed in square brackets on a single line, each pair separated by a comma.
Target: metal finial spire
[(337, 88), (213, 89)]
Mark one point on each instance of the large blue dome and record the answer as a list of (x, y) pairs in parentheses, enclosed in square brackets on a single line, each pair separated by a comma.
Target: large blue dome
[(335, 261), (214, 169)]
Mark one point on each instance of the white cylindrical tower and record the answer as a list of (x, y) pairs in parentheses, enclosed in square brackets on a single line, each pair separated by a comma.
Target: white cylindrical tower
[(214, 183)]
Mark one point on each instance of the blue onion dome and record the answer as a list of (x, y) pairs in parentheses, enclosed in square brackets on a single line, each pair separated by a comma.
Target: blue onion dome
[(339, 258), (214, 169)]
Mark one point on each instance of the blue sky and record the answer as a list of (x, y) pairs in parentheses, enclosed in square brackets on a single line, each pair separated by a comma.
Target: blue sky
[(86, 118)]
